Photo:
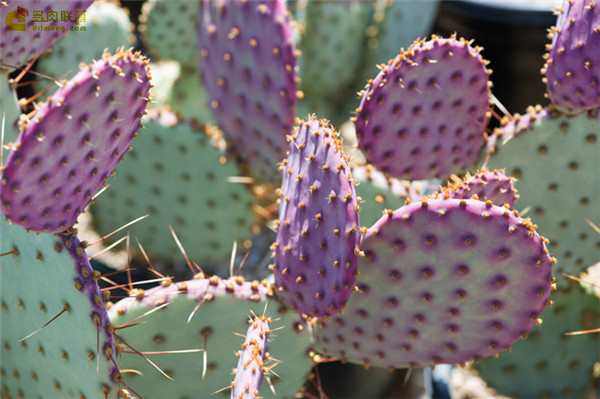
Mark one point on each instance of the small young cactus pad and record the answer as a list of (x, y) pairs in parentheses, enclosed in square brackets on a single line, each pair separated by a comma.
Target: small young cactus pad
[(251, 367), (316, 252), (555, 160), (73, 143), (426, 112), (573, 61), (73, 355), (21, 39), (247, 59), (442, 281), (178, 175), (206, 313), (484, 185)]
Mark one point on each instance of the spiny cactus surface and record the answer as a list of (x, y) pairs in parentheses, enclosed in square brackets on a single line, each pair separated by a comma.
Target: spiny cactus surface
[(555, 160), (73, 143), (73, 356), (206, 314), (442, 281), (247, 59), (425, 114), (573, 61), (251, 367), (549, 363), (316, 252), (178, 174), (106, 26)]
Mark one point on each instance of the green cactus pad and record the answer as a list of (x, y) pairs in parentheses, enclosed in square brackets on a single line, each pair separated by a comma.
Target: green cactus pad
[(9, 110), (549, 364), (395, 25), (331, 45), (178, 176), (225, 306), (377, 192), (188, 97), (40, 276), (556, 161), (106, 26), (169, 30)]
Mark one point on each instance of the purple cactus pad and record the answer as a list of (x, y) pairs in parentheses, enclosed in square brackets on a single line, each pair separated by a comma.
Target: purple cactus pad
[(484, 185), (247, 58), (73, 143), (573, 61), (30, 30), (251, 364), (425, 114), (442, 281), (316, 252)]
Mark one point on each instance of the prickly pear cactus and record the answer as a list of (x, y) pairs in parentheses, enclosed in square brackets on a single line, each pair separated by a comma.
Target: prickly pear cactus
[(572, 62), (70, 168), (316, 252), (179, 175), (247, 59), (425, 114), (555, 160), (442, 281), (22, 39), (73, 355), (549, 363), (205, 314), (106, 26)]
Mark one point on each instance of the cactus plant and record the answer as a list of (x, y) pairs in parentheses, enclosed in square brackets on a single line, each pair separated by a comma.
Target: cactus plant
[(246, 56)]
